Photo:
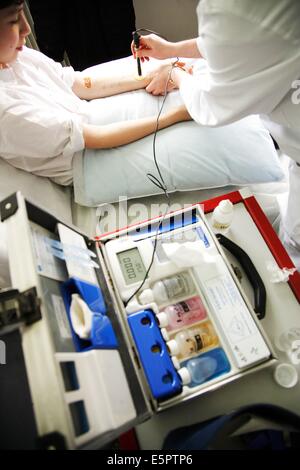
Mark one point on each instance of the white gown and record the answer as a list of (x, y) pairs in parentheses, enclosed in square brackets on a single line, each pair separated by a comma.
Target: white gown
[(253, 53)]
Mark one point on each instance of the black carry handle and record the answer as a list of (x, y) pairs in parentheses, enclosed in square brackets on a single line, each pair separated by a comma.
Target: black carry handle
[(260, 295)]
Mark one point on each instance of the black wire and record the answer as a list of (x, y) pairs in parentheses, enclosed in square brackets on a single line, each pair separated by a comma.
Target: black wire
[(160, 183), (140, 30), (152, 260)]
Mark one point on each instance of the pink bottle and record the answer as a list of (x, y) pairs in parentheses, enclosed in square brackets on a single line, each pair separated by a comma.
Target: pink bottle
[(187, 312)]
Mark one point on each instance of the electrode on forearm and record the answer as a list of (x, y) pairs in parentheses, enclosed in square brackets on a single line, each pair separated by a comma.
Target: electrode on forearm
[(87, 82)]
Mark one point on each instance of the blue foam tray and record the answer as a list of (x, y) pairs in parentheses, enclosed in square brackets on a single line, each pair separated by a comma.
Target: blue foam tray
[(161, 374)]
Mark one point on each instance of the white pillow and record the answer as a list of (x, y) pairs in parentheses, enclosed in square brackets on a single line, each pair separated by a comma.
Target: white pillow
[(42, 191), (190, 157)]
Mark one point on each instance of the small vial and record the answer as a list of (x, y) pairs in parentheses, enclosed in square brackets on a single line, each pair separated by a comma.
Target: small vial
[(169, 289), (182, 314), (190, 341), (223, 214)]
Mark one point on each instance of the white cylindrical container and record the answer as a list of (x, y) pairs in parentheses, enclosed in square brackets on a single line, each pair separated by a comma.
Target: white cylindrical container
[(165, 334), (173, 347), (162, 319), (176, 363), (184, 375), (223, 214)]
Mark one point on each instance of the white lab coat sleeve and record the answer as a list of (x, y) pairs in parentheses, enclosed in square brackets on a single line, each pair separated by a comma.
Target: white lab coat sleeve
[(29, 131), (250, 70)]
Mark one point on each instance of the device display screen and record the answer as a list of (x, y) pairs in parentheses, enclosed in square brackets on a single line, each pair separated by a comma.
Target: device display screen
[(132, 266)]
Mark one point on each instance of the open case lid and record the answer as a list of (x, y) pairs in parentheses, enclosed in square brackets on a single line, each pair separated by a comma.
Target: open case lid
[(110, 386)]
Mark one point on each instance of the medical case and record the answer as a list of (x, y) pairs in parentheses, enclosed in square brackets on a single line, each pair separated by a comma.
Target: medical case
[(86, 391)]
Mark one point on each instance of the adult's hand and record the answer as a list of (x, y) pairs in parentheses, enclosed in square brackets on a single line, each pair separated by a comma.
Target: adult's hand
[(153, 46)]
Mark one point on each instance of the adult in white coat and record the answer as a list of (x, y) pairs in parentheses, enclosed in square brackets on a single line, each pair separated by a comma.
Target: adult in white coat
[(252, 48)]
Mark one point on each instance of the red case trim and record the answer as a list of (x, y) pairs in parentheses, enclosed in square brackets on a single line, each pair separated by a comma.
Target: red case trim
[(268, 233)]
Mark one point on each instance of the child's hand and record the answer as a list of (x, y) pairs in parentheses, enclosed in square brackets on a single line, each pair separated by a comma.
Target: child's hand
[(161, 81)]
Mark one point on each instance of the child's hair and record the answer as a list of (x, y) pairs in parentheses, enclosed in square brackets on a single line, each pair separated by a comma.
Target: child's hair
[(8, 3)]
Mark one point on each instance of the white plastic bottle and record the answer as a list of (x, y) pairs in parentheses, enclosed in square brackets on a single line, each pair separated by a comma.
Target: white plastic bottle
[(223, 214), (169, 289)]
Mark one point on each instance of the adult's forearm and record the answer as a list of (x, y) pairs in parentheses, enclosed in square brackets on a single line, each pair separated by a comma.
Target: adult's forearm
[(179, 75), (187, 48), (159, 48)]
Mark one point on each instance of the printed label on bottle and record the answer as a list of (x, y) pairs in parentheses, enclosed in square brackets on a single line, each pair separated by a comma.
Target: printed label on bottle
[(185, 313), (199, 343), (178, 286), (193, 340)]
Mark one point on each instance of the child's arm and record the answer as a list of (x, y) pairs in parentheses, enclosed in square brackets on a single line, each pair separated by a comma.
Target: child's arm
[(120, 133), (93, 85), (88, 87)]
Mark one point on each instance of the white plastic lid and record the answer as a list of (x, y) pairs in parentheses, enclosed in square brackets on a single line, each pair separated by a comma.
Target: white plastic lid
[(173, 347), (176, 363), (185, 376), (223, 213), (294, 356), (146, 297), (163, 319), (165, 334), (286, 375), (226, 206)]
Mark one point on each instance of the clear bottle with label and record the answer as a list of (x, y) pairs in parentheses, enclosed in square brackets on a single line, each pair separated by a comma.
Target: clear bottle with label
[(192, 340), (181, 314), (169, 289)]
